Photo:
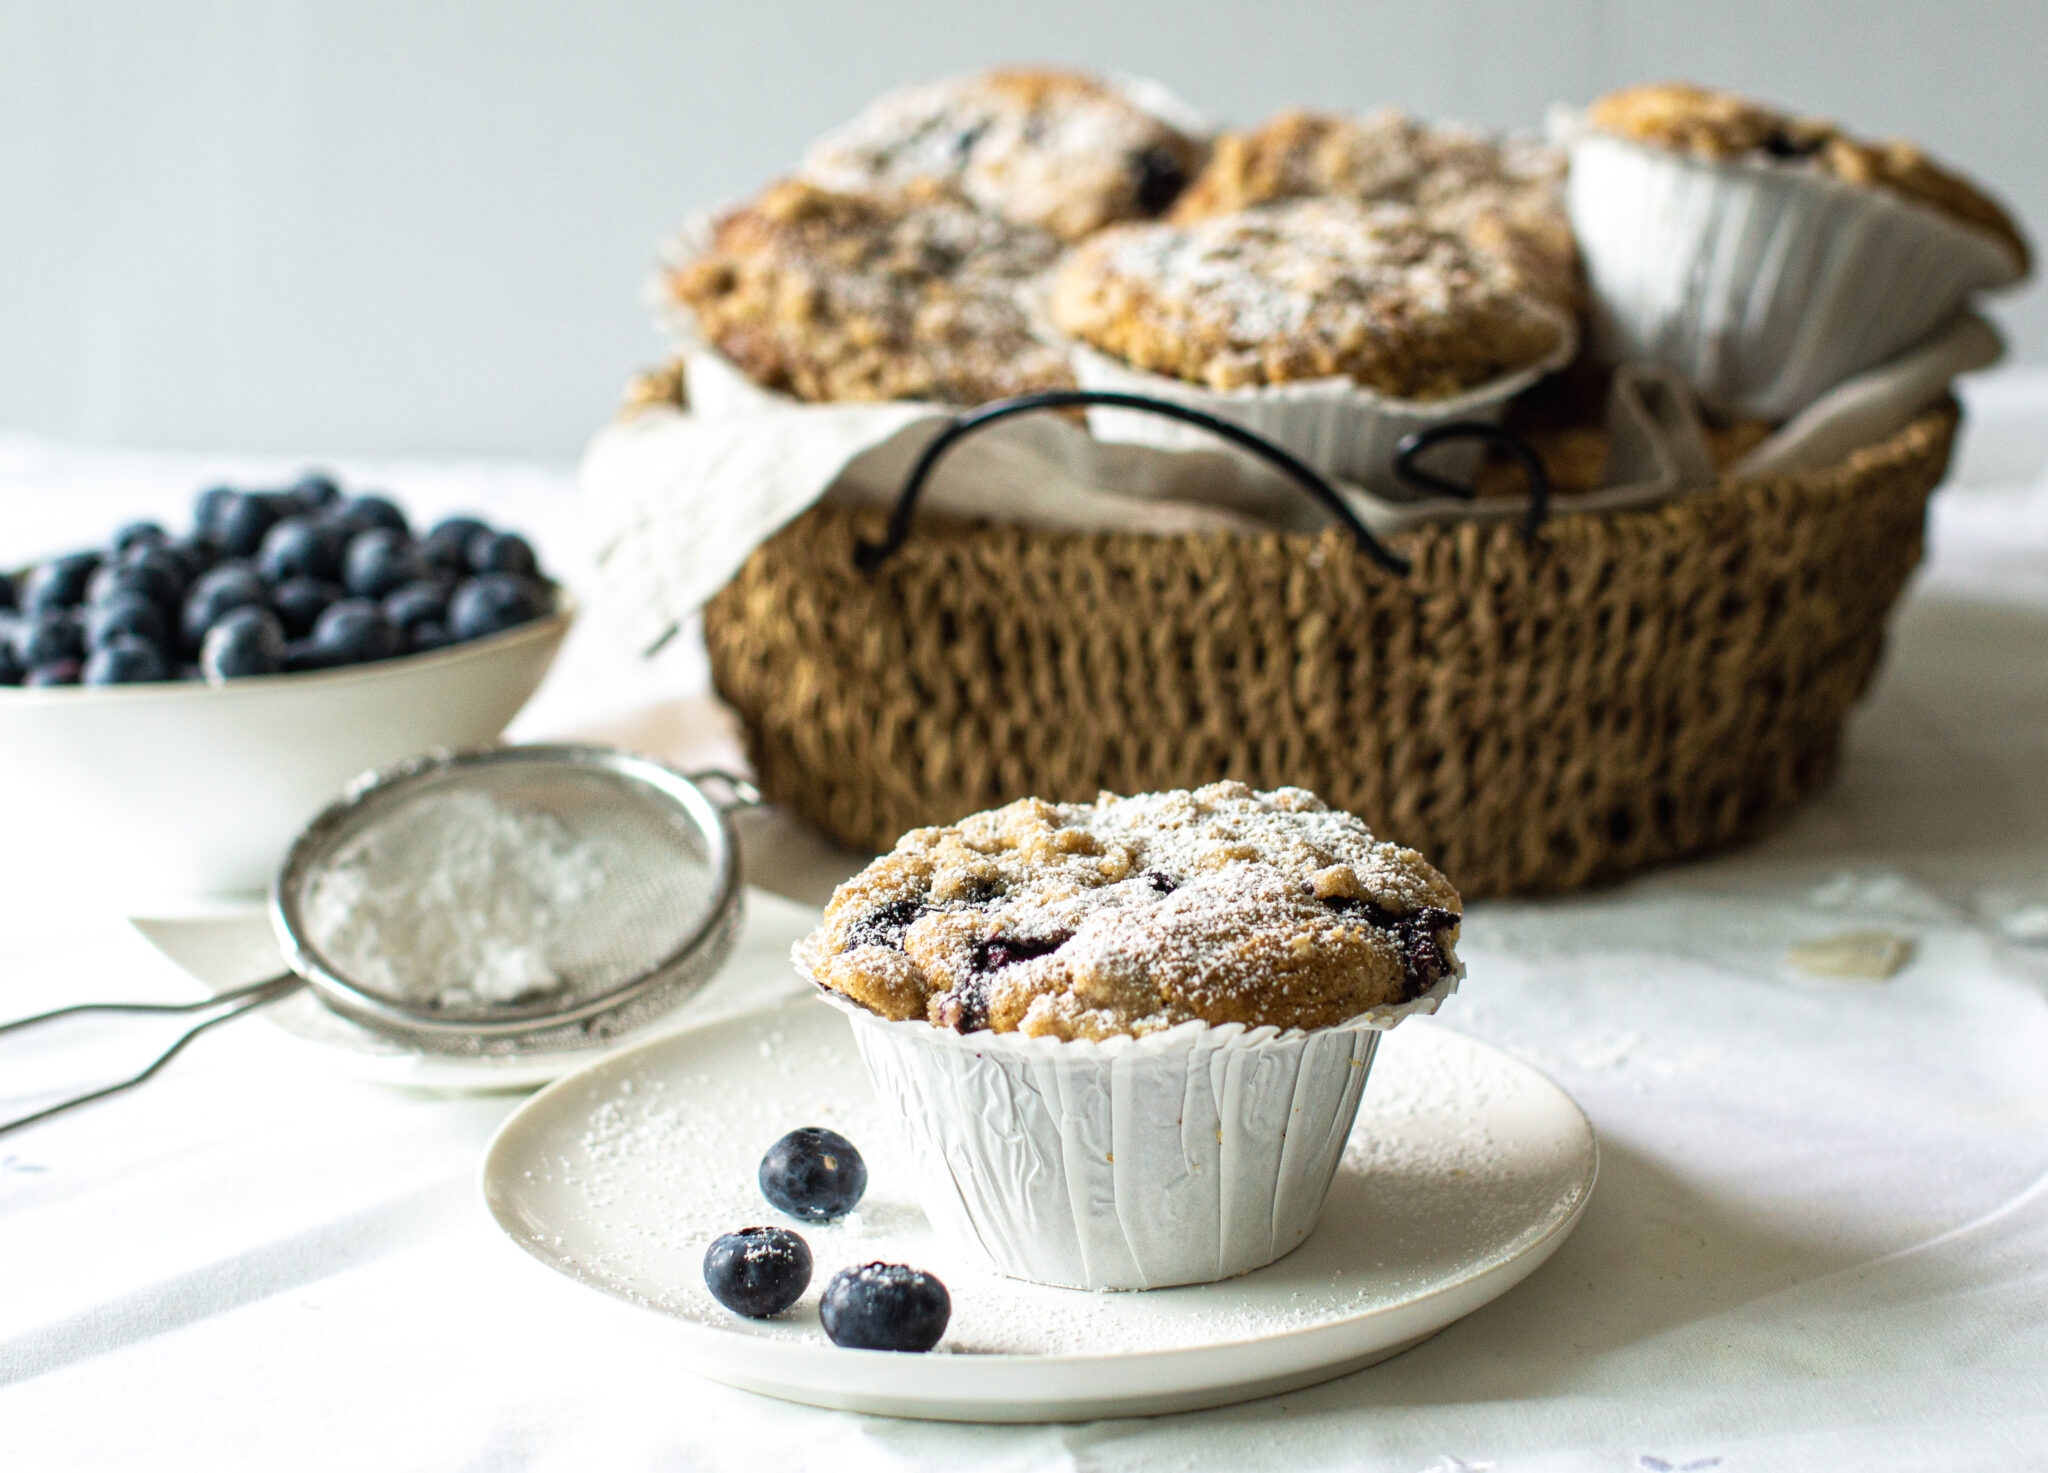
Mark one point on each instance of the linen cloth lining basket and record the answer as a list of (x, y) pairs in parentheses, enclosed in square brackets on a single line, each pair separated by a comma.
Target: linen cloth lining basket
[(1628, 688)]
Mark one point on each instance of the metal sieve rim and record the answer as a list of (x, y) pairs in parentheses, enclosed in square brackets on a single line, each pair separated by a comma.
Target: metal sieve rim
[(391, 1016)]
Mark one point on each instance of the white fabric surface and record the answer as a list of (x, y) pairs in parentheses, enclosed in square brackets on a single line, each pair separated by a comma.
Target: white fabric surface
[(1820, 1238)]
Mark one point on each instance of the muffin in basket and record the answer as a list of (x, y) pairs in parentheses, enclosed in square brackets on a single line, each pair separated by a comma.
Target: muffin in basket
[(1331, 326), (1766, 256), (1505, 195), (1059, 150), (1127, 1039), (905, 295)]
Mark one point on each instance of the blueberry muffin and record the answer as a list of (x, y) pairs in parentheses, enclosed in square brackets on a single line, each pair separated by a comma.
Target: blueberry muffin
[(1306, 289), (1057, 150), (1701, 123), (1505, 195), (907, 295), (1132, 915)]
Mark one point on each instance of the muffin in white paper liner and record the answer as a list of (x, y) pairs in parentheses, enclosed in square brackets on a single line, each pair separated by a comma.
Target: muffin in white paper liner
[(1181, 1157), (1766, 286), (1331, 424)]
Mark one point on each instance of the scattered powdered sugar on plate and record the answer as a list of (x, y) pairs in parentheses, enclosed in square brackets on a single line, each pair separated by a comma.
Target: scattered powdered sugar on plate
[(625, 1181)]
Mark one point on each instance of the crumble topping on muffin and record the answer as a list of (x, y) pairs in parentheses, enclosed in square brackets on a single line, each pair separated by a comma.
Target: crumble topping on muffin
[(911, 295), (1053, 149), (1130, 915), (1721, 125), (1504, 194), (1306, 289)]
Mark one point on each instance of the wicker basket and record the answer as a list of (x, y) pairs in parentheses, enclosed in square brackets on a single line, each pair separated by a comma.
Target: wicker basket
[(1630, 688)]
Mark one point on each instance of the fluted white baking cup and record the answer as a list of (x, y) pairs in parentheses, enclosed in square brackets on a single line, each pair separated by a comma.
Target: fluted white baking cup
[(1331, 424), (1765, 286), (1180, 1157)]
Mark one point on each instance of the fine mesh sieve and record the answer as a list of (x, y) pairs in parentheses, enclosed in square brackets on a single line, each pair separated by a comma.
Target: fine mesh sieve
[(615, 875)]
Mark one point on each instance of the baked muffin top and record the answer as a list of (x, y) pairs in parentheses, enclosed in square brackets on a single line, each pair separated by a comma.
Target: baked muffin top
[(1130, 915), (1058, 150), (1721, 125), (1306, 289), (907, 295), (1504, 193)]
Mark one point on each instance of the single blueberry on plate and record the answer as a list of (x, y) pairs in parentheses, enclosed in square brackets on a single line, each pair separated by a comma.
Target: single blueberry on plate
[(362, 513), (59, 583), (447, 544), (125, 660), (354, 632), (125, 615), (814, 1173), (885, 1306), (381, 561), (758, 1271), (242, 522), (490, 603), (300, 547), (48, 637), (57, 672), (139, 534), (422, 601), (502, 552), (298, 602), (233, 585), (247, 641)]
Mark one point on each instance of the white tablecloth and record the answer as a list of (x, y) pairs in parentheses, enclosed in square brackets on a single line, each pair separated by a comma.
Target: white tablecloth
[(1820, 1238)]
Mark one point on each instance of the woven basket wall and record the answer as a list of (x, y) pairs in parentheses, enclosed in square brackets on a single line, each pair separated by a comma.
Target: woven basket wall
[(1639, 686)]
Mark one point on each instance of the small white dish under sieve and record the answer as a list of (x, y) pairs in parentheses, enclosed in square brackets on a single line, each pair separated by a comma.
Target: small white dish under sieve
[(653, 932)]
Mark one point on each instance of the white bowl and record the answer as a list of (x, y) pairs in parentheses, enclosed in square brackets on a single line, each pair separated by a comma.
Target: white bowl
[(180, 789)]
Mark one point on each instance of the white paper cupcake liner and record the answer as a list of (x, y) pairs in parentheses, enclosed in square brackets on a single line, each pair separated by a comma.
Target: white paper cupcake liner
[(1179, 1157), (1331, 424), (1765, 286)]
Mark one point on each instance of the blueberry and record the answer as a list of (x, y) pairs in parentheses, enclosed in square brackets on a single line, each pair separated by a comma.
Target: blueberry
[(315, 491), (354, 632), (300, 656), (57, 672), (447, 545), (139, 534), (125, 660), (8, 598), (47, 637), (431, 635), (240, 523), (380, 561), (59, 583), (885, 1306), (125, 615), (758, 1271), (246, 641), (362, 513), (207, 508), (1160, 178), (502, 552), (299, 602), (300, 547), (10, 668), (195, 553), (150, 572), (232, 585), (814, 1173), (420, 602), (490, 603)]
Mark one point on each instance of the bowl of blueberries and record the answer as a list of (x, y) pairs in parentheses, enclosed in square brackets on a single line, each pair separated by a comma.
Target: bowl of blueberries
[(175, 705)]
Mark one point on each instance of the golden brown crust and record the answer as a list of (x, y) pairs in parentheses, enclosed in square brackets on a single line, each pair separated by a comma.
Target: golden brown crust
[(1504, 195), (1130, 915), (1721, 125), (834, 297), (1306, 289), (1059, 150)]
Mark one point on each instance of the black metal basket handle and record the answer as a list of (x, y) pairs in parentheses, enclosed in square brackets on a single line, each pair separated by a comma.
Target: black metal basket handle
[(868, 556), (1414, 446)]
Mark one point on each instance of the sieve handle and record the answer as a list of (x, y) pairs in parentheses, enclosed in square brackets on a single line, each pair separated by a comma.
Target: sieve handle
[(1420, 442), (739, 792), (868, 556)]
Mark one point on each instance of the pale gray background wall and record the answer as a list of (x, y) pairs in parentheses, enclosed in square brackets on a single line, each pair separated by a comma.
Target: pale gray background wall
[(422, 225)]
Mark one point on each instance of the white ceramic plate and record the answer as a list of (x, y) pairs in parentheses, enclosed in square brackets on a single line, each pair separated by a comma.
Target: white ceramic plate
[(237, 945), (1466, 1170)]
